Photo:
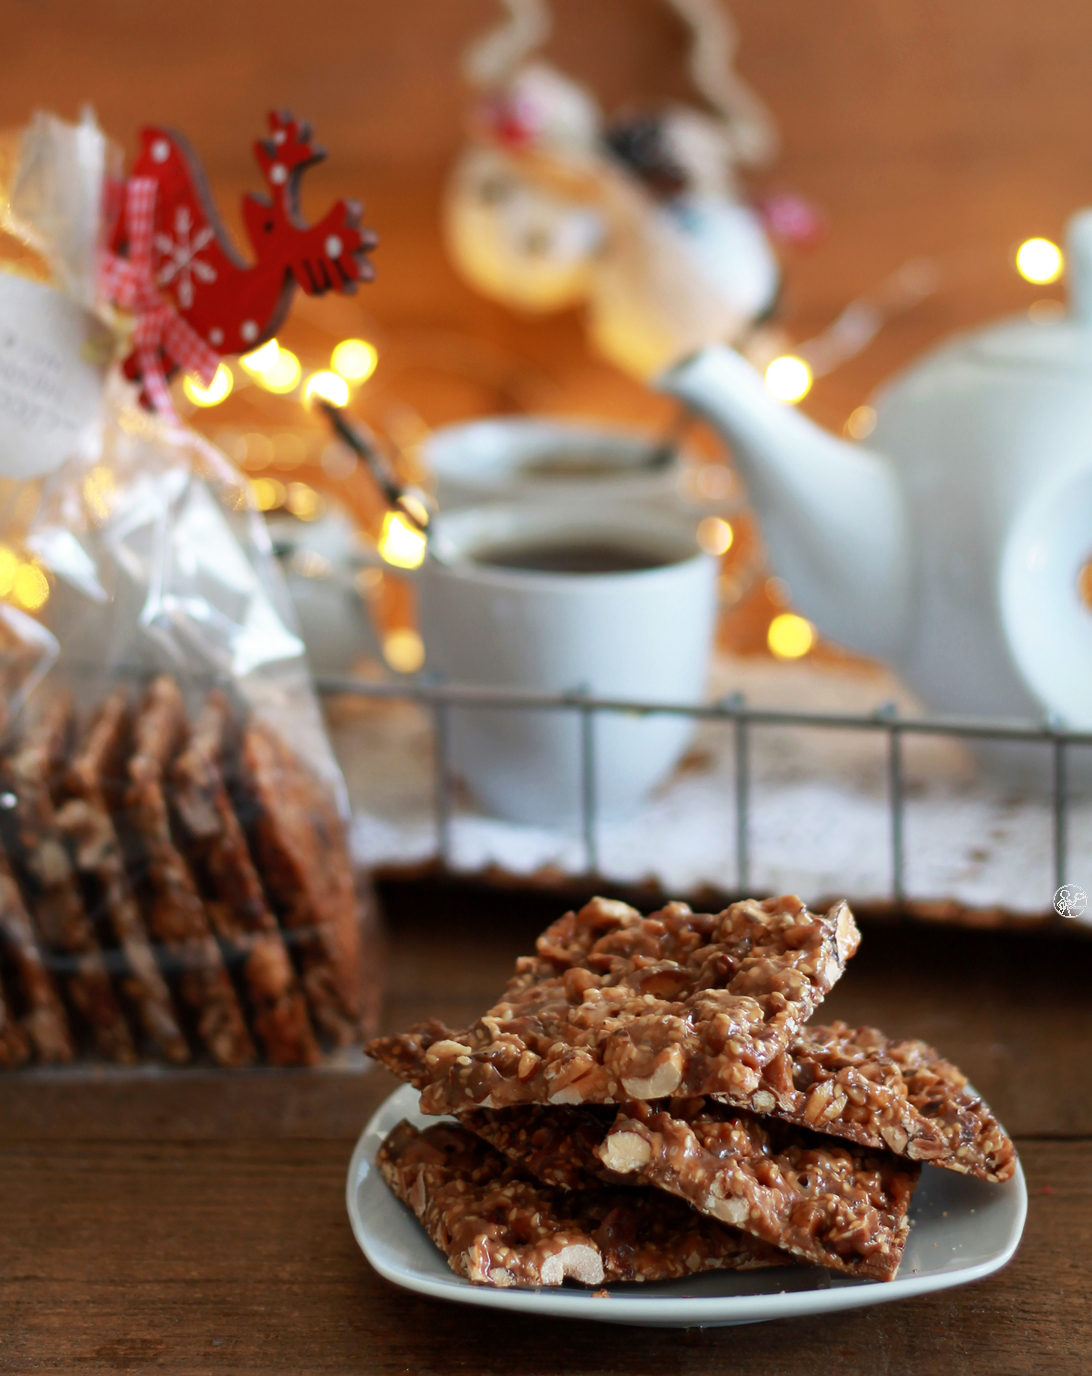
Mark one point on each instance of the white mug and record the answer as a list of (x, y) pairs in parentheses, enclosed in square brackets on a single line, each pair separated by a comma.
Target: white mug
[(643, 634)]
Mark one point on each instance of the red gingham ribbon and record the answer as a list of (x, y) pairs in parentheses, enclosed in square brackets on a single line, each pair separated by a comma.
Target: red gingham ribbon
[(130, 283)]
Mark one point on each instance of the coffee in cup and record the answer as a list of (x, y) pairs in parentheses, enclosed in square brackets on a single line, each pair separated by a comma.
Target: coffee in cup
[(559, 598)]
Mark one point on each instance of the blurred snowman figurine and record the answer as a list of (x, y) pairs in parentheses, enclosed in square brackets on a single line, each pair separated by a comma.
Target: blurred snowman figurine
[(641, 218)]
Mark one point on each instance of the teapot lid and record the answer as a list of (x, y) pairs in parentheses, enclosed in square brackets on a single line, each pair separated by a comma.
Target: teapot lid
[(1065, 343)]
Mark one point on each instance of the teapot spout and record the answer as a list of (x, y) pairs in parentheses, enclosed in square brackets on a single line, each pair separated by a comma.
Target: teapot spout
[(832, 512)]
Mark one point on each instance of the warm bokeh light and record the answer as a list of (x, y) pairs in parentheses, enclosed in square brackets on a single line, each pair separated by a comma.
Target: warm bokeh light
[(715, 535), (1084, 584), (308, 563), (404, 651), (414, 508), (778, 591), (790, 636), (401, 543), (258, 450), (212, 395), (304, 502), (329, 387), (289, 449), (354, 359), (1046, 311), (9, 564), (861, 423), (283, 375), (368, 581), (712, 482), (1038, 260), (262, 359), (98, 490), (788, 378), (30, 587), (268, 493)]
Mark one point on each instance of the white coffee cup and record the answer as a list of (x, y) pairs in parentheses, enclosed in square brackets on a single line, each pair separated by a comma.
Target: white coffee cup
[(643, 634)]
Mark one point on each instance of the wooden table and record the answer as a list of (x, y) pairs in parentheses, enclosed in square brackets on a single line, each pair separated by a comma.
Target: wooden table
[(197, 1223)]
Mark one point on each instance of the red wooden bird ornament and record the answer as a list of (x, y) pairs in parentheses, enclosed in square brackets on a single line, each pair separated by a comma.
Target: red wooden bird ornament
[(172, 264)]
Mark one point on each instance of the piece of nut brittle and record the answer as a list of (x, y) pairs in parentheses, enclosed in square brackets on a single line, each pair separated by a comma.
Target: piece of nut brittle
[(615, 1006), (867, 1088), (498, 1226), (836, 1204), (853, 1084), (831, 1203)]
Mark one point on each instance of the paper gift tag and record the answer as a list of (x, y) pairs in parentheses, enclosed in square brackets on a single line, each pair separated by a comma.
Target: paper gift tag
[(53, 361)]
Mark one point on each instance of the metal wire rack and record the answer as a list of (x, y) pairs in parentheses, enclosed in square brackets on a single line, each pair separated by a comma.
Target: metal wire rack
[(440, 698)]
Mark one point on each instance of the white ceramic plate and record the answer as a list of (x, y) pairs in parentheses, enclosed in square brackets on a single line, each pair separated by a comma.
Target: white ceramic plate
[(961, 1230)]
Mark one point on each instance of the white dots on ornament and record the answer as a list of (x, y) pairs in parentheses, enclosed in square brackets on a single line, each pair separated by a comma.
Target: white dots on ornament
[(161, 150), (279, 137), (278, 174), (216, 336), (249, 331), (334, 246)]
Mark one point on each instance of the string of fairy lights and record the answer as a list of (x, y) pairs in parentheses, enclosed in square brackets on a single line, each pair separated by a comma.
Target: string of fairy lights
[(789, 377), (278, 370)]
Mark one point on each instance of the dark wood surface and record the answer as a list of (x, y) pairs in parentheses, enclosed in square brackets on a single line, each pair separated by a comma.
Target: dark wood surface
[(197, 1223)]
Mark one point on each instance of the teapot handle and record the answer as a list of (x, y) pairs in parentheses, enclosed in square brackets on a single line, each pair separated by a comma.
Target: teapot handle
[(1043, 596)]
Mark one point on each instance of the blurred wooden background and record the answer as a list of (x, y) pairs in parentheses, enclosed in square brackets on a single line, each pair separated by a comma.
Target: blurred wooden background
[(947, 127)]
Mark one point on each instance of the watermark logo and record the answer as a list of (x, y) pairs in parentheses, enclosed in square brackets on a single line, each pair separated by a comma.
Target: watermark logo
[(1070, 901)]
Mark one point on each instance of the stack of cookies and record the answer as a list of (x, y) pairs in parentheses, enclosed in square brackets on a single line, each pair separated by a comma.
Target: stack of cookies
[(648, 1100), (173, 890)]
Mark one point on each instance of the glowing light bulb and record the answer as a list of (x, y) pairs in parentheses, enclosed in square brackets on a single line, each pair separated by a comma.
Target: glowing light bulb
[(284, 374), (30, 587), (400, 543), (268, 493), (788, 378), (354, 359), (1038, 260), (212, 395), (790, 636), (414, 508), (404, 651), (263, 359), (329, 387), (715, 536)]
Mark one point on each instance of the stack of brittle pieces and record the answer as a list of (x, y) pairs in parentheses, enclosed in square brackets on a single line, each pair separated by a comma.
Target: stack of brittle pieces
[(174, 890), (649, 1100)]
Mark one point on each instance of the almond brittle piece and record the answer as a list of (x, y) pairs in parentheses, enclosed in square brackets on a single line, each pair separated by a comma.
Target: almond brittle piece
[(498, 1226), (615, 1006), (831, 1203), (859, 1085), (835, 1204)]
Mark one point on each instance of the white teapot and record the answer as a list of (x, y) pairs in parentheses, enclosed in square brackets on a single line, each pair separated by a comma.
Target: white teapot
[(958, 544)]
